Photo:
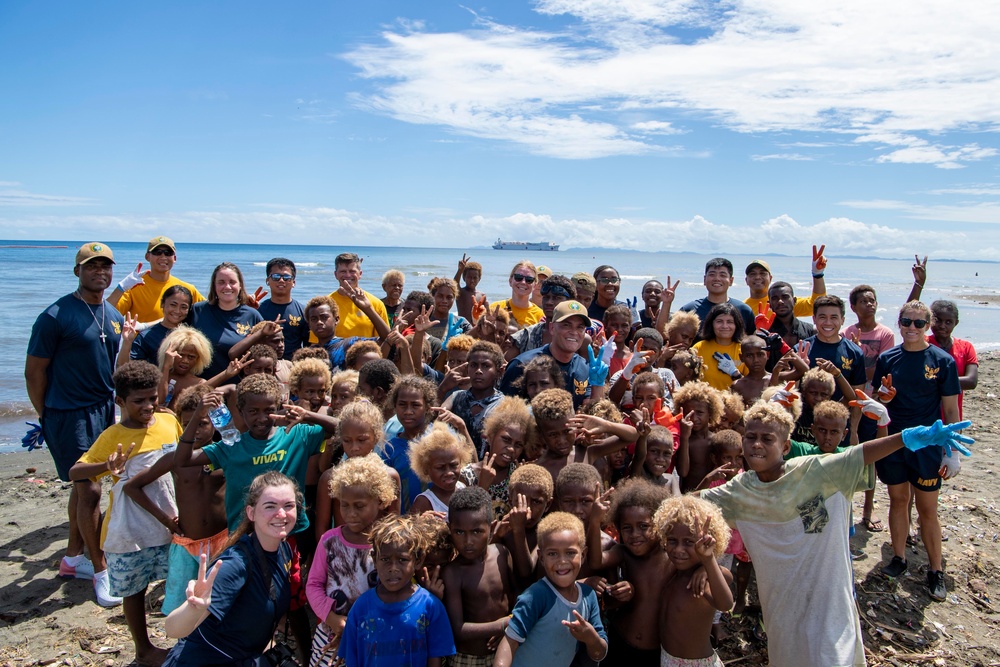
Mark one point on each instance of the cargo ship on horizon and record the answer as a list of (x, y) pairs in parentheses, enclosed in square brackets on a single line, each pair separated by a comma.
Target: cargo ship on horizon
[(542, 246)]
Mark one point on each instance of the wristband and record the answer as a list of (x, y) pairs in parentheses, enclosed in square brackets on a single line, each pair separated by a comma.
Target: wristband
[(818, 275), (186, 441)]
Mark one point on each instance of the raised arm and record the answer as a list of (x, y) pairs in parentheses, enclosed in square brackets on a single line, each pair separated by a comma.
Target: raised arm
[(919, 270)]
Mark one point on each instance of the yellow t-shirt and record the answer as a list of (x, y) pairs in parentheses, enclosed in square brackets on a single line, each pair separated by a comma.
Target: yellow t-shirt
[(713, 375), (803, 307), (525, 317), (164, 431), (143, 301), (353, 322)]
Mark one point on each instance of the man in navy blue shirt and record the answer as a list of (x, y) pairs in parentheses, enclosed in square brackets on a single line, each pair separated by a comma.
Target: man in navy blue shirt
[(280, 274), (71, 356), (569, 330), (718, 280)]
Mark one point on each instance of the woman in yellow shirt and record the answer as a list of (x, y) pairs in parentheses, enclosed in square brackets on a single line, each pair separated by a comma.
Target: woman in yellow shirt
[(522, 281), (719, 348)]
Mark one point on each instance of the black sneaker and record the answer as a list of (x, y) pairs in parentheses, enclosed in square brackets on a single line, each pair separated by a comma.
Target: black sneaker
[(935, 582), (895, 568)]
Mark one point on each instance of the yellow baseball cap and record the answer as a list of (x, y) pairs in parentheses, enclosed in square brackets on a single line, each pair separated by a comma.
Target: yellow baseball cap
[(89, 251)]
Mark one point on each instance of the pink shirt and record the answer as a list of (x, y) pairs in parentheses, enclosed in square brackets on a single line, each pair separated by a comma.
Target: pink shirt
[(873, 343)]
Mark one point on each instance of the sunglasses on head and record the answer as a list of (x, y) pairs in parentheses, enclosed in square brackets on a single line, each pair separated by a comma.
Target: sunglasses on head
[(558, 290), (287, 277), (162, 252), (609, 281), (906, 322), (523, 278)]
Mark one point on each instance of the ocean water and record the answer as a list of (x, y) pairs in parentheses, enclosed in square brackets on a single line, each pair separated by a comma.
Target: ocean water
[(37, 276)]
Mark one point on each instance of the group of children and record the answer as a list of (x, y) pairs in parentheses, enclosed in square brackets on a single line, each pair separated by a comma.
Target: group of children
[(446, 520)]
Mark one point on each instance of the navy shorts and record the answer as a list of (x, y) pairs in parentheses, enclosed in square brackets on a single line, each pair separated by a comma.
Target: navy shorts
[(919, 468), (70, 433)]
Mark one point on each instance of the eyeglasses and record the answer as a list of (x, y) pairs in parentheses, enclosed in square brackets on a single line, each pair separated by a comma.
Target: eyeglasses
[(287, 277), (906, 322), (558, 290), (518, 278), (609, 281), (162, 252)]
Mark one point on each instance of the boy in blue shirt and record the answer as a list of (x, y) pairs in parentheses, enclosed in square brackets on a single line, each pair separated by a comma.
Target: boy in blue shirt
[(538, 633), (280, 278)]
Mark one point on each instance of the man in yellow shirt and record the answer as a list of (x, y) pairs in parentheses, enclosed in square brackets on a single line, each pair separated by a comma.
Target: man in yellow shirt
[(759, 280), (361, 314), (139, 294)]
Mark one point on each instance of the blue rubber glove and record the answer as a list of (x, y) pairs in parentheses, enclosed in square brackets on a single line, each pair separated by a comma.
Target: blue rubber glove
[(726, 364), (941, 435), (632, 306), (598, 369), (454, 328), (33, 439)]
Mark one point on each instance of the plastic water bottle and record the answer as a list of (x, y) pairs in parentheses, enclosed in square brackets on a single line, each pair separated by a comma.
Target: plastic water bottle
[(170, 392), (222, 420)]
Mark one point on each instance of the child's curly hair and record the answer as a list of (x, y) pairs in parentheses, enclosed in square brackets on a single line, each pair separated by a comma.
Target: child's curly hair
[(532, 474), (436, 531), (439, 438), (605, 409), (552, 404), (733, 403), (831, 410), (364, 472), (425, 388), (557, 522), (190, 398), (636, 492), (258, 384), (311, 353), (461, 343), (660, 434), (544, 364), (492, 350), (185, 336), (349, 377), (361, 347), (768, 412), (509, 411), (722, 440), (402, 532), (135, 375), (367, 413), (578, 474), (820, 377), (322, 300), (701, 392), (680, 319), (649, 377), (691, 360), (688, 510), (471, 499), (309, 368), (795, 410), (263, 351), (436, 283)]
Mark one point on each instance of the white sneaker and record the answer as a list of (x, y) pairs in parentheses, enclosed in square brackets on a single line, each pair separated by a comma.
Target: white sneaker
[(85, 570), (102, 589)]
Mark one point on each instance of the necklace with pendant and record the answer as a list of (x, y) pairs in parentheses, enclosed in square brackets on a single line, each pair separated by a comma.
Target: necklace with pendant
[(100, 324)]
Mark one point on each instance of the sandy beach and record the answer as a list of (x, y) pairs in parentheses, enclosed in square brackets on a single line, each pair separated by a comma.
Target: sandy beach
[(45, 620)]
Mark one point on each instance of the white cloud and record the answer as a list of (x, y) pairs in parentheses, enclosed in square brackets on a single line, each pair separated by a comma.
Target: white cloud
[(656, 127), (11, 195), (978, 191), (795, 157), (891, 69), (979, 212), (333, 226)]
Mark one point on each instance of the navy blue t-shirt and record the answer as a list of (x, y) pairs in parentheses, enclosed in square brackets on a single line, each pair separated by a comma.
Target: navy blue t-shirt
[(845, 355), (295, 328), (922, 378), (146, 346), (242, 617), (68, 333), (702, 306), (576, 374), (595, 311), (223, 328)]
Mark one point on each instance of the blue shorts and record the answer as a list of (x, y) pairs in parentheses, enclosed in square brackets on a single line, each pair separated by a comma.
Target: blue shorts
[(131, 573), (70, 433), (919, 468)]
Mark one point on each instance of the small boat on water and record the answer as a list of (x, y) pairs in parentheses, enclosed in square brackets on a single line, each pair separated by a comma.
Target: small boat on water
[(543, 246)]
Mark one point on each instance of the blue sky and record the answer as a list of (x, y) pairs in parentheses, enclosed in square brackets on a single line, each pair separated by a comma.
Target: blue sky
[(769, 125)]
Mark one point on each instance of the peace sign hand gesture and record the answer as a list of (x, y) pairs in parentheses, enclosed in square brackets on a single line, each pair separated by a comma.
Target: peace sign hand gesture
[(253, 300), (199, 591), (117, 460), (705, 546), (487, 473)]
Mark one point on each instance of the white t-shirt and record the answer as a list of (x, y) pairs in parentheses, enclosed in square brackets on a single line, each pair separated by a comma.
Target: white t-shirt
[(796, 531)]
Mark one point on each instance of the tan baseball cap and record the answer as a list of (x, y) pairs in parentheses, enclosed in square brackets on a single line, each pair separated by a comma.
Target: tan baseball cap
[(759, 262), (89, 251), (158, 241), (568, 309), (542, 270)]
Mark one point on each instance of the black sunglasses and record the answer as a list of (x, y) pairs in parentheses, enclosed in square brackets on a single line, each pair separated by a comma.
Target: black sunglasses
[(162, 252), (522, 278), (287, 277), (906, 321), (558, 290)]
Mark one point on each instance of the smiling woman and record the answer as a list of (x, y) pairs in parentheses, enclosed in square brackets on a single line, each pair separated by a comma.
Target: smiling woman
[(522, 283), (231, 611), (225, 318)]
